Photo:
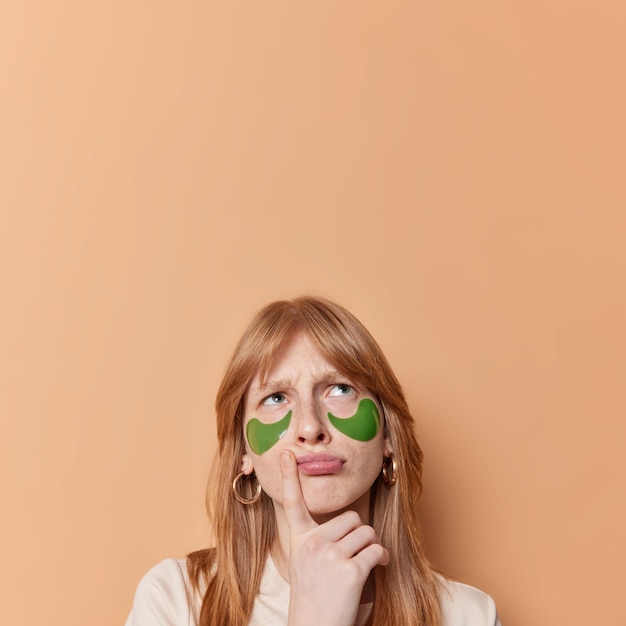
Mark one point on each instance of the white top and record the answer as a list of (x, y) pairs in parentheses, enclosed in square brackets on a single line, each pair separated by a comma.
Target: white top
[(164, 597)]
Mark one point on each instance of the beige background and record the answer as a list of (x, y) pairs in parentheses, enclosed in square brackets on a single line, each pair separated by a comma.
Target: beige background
[(452, 172)]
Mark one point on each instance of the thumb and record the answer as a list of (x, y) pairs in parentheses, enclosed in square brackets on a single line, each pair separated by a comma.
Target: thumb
[(298, 517)]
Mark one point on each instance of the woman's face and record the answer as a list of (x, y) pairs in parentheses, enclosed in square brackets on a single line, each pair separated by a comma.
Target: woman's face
[(332, 425)]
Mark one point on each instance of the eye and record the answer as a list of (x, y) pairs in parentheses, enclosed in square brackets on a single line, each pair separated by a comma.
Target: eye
[(275, 398), (341, 389)]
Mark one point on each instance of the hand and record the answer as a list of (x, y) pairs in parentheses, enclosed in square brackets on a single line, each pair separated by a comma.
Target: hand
[(328, 563)]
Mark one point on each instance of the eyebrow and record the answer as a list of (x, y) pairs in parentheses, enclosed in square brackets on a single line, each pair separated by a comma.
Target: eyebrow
[(333, 375), (271, 384), (324, 376)]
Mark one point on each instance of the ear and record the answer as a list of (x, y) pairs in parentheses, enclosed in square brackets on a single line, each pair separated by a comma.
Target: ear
[(387, 450), (246, 464)]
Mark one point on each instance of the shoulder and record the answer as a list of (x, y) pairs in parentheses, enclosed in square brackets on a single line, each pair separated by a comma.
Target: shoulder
[(464, 605), (164, 597)]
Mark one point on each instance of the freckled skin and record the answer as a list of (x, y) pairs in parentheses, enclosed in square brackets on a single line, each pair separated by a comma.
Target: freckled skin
[(262, 437), (363, 425), (308, 383)]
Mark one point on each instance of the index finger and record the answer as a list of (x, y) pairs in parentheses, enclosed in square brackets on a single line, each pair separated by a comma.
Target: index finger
[(298, 517)]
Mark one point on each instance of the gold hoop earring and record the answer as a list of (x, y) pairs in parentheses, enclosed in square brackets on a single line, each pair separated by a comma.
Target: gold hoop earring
[(243, 499), (389, 463)]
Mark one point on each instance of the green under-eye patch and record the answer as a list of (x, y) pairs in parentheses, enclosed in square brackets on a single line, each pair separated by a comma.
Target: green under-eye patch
[(262, 437), (363, 425)]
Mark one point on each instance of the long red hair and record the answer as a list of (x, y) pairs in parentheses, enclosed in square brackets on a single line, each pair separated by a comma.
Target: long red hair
[(406, 590)]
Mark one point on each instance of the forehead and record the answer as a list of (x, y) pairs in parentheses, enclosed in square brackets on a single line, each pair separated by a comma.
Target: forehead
[(297, 355)]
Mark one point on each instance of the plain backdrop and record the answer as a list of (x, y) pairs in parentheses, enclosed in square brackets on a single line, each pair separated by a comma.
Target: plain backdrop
[(452, 172)]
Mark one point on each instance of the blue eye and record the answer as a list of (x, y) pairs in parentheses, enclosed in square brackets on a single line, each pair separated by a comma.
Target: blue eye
[(275, 398), (341, 389)]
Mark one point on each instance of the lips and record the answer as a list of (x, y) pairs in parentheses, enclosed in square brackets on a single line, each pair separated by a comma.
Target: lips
[(319, 464)]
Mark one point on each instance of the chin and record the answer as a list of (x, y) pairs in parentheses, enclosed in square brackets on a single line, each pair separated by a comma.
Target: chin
[(324, 505)]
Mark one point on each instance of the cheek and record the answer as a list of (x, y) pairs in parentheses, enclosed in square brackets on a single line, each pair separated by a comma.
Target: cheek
[(267, 471)]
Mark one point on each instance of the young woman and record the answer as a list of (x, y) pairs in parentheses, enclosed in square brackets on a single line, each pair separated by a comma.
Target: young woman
[(313, 493)]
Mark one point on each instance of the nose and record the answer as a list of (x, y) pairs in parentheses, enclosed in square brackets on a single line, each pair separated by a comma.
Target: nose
[(310, 425)]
